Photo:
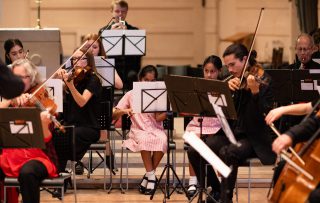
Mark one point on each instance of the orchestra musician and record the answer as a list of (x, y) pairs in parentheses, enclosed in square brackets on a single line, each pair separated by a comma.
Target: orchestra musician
[(82, 105), (127, 66), (146, 134), (13, 50), (98, 50), (250, 130), (299, 133), (30, 165), (10, 85), (214, 137)]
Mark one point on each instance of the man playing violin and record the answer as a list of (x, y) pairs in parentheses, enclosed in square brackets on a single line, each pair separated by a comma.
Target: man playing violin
[(250, 130), (30, 165)]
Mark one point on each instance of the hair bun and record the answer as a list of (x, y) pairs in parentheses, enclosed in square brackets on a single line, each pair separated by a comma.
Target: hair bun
[(254, 54)]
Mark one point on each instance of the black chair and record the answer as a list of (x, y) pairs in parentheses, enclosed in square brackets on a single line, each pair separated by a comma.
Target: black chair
[(105, 118), (195, 72), (58, 182), (178, 70), (162, 71)]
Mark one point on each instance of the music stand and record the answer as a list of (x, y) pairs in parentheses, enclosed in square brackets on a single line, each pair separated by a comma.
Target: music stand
[(105, 70), (21, 128), (281, 84), (151, 97), (124, 42), (191, 95), (304, 85)]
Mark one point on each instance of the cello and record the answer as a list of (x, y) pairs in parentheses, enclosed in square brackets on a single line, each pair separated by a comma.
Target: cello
[(294, 185)]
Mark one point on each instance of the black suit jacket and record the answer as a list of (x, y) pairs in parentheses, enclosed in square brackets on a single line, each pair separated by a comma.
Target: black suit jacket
[(305, 130), (250, 123), (310, 65), (10, 85)]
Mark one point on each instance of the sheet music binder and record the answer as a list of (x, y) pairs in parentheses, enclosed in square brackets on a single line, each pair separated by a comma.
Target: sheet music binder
[(294, 85), (124, 42), (21, 128)]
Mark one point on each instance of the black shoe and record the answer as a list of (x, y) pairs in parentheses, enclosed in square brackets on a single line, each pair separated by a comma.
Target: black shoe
[(79, 168), (57, 193), (111, 168), (215, 196), (191, 192), (151, 191), (142, 189)]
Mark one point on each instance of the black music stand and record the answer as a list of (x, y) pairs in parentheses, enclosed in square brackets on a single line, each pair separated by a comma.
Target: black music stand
[(281, 84), (304, 84), (21, 128), (190, 95)]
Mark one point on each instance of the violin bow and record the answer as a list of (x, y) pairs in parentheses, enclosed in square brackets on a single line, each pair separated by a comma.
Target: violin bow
[(275, 130), (251, 46), (42, 85)]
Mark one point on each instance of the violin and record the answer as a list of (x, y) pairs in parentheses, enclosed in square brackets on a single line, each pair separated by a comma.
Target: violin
[(259, 75), (79, 73), (42, 100)]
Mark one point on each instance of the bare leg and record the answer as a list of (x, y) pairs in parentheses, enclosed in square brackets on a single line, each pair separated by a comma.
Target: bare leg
[(156, 158), (191, 171), (147, 160)]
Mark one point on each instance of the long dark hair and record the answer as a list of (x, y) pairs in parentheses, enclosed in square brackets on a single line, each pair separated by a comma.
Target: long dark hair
[(8, 44), (240, 51), (215, 60), (148, 69)]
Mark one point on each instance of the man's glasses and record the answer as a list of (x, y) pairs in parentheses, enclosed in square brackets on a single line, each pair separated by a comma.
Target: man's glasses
[(303, 49)]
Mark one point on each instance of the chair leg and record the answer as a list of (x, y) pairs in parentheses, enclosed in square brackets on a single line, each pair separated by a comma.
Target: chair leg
[(249, 182), (237, 191)]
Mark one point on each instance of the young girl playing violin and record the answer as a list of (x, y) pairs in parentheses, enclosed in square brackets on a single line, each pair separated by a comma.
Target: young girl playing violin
[(98, 50), (146, 134), (82, 103), (30, 165)]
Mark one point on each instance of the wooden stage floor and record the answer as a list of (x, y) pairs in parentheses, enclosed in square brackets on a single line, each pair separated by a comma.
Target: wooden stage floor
[(258, 195)]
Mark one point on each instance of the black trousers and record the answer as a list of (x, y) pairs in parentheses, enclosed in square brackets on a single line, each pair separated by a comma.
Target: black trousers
[(215, 143), (30, 177), (234, 156), (84, 137)]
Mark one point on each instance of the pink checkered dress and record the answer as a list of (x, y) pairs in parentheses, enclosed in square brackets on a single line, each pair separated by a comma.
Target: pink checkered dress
[(145, 133), (210, 125)]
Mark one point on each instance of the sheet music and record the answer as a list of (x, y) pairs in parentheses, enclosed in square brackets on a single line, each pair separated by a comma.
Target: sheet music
[(124, 42), (54, 88), (207, 153), (149, 97), (225, 125), (106, 71)]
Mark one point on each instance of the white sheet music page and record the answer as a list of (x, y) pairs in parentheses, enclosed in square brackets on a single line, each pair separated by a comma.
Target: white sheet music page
[(207, 153), (225, 125), (105, 69), (149, 97)]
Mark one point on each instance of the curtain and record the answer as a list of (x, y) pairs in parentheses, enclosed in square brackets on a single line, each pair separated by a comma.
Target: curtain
[(307, 11)]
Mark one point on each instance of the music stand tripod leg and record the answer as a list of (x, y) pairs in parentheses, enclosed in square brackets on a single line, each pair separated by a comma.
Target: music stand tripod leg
[(167, 168), (201, 189)]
